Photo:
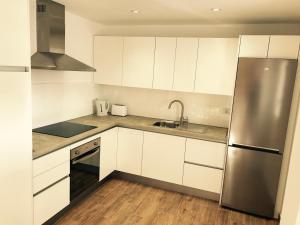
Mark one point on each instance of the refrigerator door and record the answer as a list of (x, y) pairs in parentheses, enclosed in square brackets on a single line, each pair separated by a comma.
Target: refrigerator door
[(262, 100), (251, 180)]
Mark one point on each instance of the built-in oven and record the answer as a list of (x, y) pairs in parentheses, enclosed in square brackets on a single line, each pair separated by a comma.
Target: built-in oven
[(85, 168)]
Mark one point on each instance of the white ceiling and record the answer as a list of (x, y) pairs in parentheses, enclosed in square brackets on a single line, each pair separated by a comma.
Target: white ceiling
[(186, 11)]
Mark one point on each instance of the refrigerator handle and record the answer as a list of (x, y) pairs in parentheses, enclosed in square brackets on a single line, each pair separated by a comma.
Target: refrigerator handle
[(256, 148)]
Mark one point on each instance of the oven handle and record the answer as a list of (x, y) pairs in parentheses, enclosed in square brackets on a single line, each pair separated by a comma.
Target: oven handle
[(86, 157)]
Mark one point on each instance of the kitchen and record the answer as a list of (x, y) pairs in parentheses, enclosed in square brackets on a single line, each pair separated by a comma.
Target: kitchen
[(149, 113)]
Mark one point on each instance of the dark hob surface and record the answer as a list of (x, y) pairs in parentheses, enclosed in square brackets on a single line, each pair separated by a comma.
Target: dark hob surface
[(64, 129)]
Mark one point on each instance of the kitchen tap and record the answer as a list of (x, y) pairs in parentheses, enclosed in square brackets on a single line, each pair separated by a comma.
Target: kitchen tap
[(182, 110)]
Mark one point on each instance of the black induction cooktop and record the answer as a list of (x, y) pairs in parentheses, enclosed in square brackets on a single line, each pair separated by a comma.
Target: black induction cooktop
[(64, 129)]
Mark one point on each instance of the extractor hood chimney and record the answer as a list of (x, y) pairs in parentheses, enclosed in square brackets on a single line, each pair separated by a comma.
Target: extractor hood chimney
[(50, 53)]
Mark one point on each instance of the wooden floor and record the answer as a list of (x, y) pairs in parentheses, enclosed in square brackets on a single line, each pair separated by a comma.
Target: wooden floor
[(120, 202)]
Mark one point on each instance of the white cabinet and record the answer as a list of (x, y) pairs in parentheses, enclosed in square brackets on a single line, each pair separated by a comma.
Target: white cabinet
[(130, 150), (51, 160), (286, 47), (138, 61), (14, 38), (185, 64), (108, 153), (51, 176), (205, 153), (204, 178), (164, 63), (108, 60), (216, 65), (49, 202), (163, 157), (254, 46)]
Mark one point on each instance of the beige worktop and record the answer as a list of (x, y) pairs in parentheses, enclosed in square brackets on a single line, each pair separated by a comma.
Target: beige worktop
[(44, 144)]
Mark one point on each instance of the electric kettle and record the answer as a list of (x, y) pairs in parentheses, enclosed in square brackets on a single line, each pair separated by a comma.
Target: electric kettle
[(102, 107)]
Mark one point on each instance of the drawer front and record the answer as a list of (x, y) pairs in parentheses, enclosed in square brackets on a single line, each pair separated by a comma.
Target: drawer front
[(204, 178), (50, 161), (44, 180), (205, 153), (51, 201)]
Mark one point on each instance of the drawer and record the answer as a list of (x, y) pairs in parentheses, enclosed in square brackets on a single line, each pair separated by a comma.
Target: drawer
[(49, 202), (50, 161), (50, 176), (204, 178), (205, 153)]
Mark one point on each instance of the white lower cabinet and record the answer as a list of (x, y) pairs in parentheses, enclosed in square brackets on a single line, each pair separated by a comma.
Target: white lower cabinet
[(205, 153), (108, 153), (130, 151), (44, 180), (51, 201), (204, 178), (163, 157)]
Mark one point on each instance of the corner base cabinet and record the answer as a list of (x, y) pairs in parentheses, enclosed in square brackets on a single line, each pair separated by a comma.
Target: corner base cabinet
[(108, 153)]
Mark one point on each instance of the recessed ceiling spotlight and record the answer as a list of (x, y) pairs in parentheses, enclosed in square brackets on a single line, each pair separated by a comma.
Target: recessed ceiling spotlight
[(134, 11), (215, 9)]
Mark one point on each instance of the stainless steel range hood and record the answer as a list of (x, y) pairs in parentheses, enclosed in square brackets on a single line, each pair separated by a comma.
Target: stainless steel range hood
[(50, 53)]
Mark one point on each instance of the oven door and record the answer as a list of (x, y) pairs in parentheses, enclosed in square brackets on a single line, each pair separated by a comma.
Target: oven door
[(84, 172)]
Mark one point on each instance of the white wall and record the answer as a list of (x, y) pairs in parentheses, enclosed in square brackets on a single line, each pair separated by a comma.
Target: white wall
[(292, 193), (61, 95), (200, 108)]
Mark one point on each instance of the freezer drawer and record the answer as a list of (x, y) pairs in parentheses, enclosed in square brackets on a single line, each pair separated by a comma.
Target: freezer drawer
[(251, 181)]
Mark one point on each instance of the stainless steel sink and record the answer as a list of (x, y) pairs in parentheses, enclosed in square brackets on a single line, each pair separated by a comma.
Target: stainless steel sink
[(166, 124)]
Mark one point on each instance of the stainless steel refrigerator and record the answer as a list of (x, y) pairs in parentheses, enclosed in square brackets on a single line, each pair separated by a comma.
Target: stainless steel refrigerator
[(260, 115)]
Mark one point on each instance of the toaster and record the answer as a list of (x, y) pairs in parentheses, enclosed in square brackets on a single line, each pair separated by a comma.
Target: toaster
[(119, 110)]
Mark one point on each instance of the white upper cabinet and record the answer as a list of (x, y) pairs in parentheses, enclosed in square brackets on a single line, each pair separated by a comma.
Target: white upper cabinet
[(163, 157), (108, 60), (14, 38), (130, 151), (138, 61), (286, 47), (216, 66), (254, 46), (185, 64), (164, 63), (108, 153)]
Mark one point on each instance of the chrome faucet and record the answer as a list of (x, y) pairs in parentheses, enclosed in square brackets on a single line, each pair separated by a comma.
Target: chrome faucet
[(182, 110)]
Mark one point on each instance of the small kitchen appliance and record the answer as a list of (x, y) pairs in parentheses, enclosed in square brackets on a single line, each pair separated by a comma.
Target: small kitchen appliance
[(102, 107), (119, 110)]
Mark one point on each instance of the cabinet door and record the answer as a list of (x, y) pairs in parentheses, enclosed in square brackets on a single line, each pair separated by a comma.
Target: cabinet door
[(205, 153), (14, 38), (108, 60), (138, 61), (49, 202), (203, 178), (163, 157), (185, 64), (108, 154), (164, 63), (286, 47), (130, 150), (216, 65), (255, 46)]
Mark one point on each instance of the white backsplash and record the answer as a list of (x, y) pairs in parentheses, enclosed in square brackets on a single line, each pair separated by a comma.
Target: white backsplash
[(200, 108)]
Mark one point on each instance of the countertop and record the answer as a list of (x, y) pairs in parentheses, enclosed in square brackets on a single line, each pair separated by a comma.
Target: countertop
[(44, 144)]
